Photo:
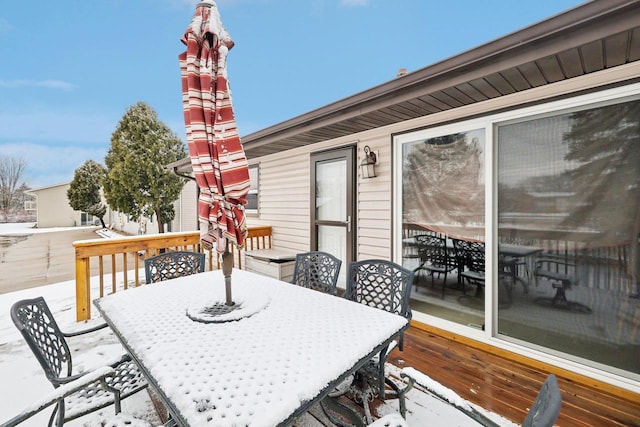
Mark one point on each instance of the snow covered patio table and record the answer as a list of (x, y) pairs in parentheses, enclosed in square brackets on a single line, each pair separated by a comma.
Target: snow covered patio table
[(262, 370)]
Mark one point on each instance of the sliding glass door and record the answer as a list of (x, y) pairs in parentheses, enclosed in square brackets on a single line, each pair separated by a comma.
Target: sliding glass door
[(561, 238)]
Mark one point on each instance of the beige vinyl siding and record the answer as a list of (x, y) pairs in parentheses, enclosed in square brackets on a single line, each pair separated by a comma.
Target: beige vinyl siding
[(284, 199), (186, 209), (54, 209), (374, 199)]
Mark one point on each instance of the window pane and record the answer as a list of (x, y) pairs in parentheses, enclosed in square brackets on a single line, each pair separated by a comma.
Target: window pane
[(331, 239), (569, 202), (252, 197), (331, 183), (443, 197)]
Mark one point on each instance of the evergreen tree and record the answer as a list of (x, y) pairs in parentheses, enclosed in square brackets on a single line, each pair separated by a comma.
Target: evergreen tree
[(137, 181), (84, 190), (604, 142)]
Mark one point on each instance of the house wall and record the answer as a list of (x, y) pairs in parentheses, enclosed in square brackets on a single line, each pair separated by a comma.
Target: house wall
[(284, 192), (185, 220), (284, 198), (186, 209), (54, 209), (285, 176)]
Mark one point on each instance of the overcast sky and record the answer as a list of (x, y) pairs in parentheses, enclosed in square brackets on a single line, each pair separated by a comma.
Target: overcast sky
[(71, 68)]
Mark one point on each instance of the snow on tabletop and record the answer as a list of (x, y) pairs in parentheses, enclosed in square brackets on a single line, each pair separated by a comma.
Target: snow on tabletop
[(257, 370)]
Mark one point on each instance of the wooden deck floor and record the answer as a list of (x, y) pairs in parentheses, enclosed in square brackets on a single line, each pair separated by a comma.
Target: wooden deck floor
[(508, 387)]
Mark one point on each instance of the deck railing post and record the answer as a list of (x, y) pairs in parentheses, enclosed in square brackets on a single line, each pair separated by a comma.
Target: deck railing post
[(83, 290)]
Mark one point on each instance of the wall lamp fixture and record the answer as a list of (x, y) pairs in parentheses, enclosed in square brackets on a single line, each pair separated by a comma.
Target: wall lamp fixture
[(368, 163)]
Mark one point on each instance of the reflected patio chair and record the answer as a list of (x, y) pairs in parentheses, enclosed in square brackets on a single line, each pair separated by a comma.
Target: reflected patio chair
[(170, 265), (318, 271), (470, 258), (434, 257), (48, 343), (387, 286)]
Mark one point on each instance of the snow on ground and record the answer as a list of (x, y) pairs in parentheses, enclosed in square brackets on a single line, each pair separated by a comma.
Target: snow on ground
[(30, 228), (23, 381)]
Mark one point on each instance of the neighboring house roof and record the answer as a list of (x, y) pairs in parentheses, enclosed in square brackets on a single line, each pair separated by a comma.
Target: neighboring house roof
[(592, 37), (35, 190)]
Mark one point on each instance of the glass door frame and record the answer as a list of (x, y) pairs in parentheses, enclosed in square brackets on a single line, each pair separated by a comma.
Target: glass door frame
[(347, 153)]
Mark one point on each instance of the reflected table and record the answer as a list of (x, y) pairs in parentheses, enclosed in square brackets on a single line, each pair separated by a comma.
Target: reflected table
[(266, 369), (513, 255)]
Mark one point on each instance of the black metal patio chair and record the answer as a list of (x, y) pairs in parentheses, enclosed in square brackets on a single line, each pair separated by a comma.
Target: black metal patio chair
[(470, 256), (434, 257), (385, 285), (546, 408), (48, 343), (317, 270), (170, 265), (54, 396), (543, 412)]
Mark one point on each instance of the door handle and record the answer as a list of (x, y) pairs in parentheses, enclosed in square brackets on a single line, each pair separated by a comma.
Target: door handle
[(348, 222)]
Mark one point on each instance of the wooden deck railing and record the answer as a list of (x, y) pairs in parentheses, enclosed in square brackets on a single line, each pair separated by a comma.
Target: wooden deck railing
[(124, 256)]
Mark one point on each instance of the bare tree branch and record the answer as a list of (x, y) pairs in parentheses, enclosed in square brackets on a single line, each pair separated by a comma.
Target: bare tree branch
[(11, 171)]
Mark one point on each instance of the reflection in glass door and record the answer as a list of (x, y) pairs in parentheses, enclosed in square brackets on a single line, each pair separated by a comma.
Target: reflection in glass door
[(332, 205), (443, 206)]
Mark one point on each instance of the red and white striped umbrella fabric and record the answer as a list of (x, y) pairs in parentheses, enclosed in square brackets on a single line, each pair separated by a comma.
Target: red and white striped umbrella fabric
[(219, 163)]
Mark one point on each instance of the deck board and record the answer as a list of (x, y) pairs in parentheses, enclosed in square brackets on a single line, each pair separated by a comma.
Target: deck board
[(508, 387)]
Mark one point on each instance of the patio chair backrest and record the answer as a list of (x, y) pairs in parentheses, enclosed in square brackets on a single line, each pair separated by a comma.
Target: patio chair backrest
[(381, 284), (170, 265), (432, 249), (470, 254), (35, 322), (318, 271), (546, 408), (387, 286)]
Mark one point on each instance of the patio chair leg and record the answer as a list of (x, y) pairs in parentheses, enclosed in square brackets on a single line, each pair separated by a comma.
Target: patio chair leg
[(402, 393)]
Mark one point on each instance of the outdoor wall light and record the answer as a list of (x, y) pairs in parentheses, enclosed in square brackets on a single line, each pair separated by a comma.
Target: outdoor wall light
[(368, 163)]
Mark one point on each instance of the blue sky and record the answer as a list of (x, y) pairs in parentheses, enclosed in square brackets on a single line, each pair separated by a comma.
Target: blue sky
[(71, 68)]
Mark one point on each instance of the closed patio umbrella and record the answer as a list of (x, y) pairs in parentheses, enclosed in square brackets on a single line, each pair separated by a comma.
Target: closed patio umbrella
[(219, 163)]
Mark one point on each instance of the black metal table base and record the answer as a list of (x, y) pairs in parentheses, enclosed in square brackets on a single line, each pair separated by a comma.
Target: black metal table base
[(559, 301), (363, 391)]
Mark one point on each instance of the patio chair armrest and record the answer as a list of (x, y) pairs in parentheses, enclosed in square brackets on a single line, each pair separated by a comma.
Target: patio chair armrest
[(60, 393), (111, 364), (85, 331), (120, 359)]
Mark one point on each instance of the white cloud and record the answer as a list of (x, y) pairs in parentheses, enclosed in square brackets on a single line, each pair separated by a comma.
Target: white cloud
[(49, 84)]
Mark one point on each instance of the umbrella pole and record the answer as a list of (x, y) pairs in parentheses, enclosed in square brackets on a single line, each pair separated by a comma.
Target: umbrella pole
[(227, 266)]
